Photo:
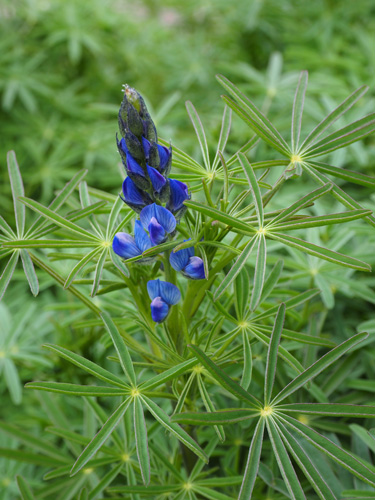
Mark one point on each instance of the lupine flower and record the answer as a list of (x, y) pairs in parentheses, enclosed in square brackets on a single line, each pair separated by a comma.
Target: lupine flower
[(127, 247), (178, 194), (158, 156), (158, 221), (187, 263), (163, 295)]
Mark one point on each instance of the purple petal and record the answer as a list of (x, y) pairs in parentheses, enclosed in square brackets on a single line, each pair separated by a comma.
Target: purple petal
[(124, 245), (142, 239), (169, 293), (153, 288), (195, 269), (131, 193), (157, 180), (159, 310), (178, 194), (133, 166), (157, 232), (179, 260), (165, 218), (164, 154)]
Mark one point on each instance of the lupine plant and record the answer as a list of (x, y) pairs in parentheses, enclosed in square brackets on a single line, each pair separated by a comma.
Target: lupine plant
[(209, 370)]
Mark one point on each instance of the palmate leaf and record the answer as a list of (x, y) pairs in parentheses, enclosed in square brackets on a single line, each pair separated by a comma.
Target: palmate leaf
[(272, 354), (18, 191), (8, 273), (298, 104), (199, 130), (252, 464), (77, 390), (141, 441), (24, 488), (100, 438)]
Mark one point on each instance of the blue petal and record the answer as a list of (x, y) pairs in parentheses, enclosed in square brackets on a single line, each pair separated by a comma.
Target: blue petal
[(133, 166), (131, 193), (157, 180), (169, 293), (178, 194), (124, 245), (179, 260), (195, 269), (164, 154), (159, 310), (161, 214), (165, 218), (157, 232), (146, 146), (153, 288), (122, 145), (142, 239)]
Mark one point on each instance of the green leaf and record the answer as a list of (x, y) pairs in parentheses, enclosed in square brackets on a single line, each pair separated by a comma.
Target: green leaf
[(30, 458), (57, 219), (236, 268), (241, 293), (30, 273), (225, 381), (80, 265), (120, 346), (105, 481), (90, 367), (145, 490), (219, 417), (254, 187), (12, 380), (49, 244), (298, 104), (118, 263), (318, 367), (167, 375), (290, 303), (247, 361), (330, 409), (111, 224), (221, 217), (336, 453), (358, 495), (284, 463), (34, 442), (361, 385), (253, 117), (98, 271), (77, 390), (24, 488), (343, 173), (8, 273), (323, 220), (72, 216), (199, 130), (333, 116), (272, 354), (209, 406), (7, 230), (141, 441), (259, 273), (63, 195), (224, 134), (303, 460), (173, 428), (252, 464), (210, 494), (100, 438), (303, 202), (272, 280), (343, 137), (321, 252), (17, 188)]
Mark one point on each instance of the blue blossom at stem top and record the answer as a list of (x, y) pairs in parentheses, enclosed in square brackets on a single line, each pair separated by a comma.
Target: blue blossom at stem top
[(163, 295), (185, 261)]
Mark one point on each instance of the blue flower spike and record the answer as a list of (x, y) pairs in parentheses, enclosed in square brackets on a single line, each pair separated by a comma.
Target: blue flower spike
[(189, 265), (163, 295), (158, 221)]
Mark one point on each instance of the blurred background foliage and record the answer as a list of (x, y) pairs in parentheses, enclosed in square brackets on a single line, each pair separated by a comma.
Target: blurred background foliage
[(62, 64)]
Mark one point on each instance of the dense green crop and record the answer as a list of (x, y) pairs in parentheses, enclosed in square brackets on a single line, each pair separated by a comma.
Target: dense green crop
[(258, 382)]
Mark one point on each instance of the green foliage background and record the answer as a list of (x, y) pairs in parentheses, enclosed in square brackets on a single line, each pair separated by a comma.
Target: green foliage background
[(62, 64)]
